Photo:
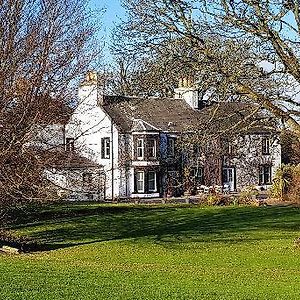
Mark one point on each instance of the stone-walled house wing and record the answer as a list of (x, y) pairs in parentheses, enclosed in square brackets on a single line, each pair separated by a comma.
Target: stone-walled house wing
[(76, 177), (155, 147)]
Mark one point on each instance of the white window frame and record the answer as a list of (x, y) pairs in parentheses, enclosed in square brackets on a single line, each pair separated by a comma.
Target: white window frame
[(154, 179), (141, 148), (153, 148), (141, 180), (106, 148), (70, 144)]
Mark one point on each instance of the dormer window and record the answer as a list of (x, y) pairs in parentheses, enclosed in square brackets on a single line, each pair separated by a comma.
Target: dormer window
[(140, 149), (265, 145), (70, 144)]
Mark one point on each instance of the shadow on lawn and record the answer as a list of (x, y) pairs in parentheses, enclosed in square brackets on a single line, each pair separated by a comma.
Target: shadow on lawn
[(67, 226)]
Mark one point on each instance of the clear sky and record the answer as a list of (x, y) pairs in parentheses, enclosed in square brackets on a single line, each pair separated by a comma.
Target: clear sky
[(113, 12)]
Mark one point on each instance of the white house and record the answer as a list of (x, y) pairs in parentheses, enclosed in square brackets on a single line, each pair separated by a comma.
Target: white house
[(136, 142)]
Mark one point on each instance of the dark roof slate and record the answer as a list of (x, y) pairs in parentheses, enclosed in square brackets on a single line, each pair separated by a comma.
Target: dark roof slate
[(236, 117), (175, 115), (165, 114), (72, 160)]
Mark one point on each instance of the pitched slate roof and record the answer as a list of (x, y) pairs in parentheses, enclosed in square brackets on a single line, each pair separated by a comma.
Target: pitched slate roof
[(165, 114), (175, 115), (71, 160), (237, 117)]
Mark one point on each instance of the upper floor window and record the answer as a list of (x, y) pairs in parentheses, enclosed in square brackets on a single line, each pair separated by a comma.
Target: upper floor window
[(228, 148), (196, 149), (140, 149), (151, 145), (265, 145), (171, 147), (265, 174), (105, 148), (70, 144)]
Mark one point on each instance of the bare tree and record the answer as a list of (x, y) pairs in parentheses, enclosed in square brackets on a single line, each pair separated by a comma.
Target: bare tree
[(246, 48), (44, 47)]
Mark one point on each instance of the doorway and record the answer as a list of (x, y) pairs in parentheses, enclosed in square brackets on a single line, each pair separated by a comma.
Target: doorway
[(229, 179)]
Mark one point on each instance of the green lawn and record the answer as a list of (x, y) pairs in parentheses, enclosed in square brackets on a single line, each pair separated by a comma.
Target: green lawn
[(154, 252)]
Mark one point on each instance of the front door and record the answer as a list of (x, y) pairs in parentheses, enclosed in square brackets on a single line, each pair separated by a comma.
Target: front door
[(228, 179)]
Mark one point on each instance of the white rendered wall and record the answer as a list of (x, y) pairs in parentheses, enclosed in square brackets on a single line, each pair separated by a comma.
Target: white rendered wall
[(88, 125), (190, 95)]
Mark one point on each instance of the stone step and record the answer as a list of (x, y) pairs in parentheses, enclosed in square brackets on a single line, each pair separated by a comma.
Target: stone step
[(10, 250)]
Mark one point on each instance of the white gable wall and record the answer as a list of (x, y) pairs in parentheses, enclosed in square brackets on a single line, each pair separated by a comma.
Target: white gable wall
[(88, 125)]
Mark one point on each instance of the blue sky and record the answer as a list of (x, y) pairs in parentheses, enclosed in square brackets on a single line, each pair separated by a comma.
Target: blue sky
[(113, 12)]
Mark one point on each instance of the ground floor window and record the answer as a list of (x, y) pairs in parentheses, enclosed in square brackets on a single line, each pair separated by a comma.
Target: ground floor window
[(152, 181), (140, 181), (197, 175), (146, 181), (265, 174), (228, 176), (87, 179)]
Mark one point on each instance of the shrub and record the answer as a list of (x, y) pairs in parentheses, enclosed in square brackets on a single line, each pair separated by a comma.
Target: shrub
[(23, 243), (286, 184), (212, 199), (293, 192), (248, 195)]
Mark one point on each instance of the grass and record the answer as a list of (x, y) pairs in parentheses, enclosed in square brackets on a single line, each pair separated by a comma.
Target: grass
[(153, 252)]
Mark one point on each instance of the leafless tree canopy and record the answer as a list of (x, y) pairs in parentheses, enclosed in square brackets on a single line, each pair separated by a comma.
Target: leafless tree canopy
[(233, 48), (45, 45)]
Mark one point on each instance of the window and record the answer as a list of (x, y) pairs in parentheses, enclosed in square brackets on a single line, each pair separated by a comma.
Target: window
[(228, 174), (140, 149), (105, 148), (87, 177), (140, 182), (196, 150), (70, 144), (265, 174), (152, 148), (152, 181), (87, 180), (227, 147), (265, 145), (197, 174), (171, 147)]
